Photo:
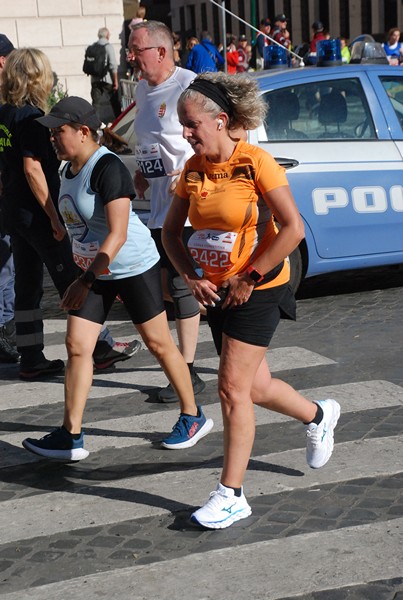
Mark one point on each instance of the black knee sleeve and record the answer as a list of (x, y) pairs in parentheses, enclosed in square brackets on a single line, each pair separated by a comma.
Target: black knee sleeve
[(185, 304)]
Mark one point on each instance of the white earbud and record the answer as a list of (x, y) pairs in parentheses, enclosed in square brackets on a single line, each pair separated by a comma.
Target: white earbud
[(220, 123)]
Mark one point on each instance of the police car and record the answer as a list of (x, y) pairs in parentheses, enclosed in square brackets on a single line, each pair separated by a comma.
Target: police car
[(339, 133)]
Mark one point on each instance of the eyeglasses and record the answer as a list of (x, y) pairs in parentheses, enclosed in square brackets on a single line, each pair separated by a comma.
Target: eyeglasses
[(137, 51)]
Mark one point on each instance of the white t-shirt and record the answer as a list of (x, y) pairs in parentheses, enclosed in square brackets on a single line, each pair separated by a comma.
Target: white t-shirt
[(161, 148)]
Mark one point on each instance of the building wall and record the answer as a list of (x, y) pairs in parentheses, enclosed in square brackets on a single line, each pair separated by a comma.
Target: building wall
[(62, 29)]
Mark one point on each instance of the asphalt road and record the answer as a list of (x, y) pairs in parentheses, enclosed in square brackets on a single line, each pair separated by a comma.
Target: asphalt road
[(117, 524)]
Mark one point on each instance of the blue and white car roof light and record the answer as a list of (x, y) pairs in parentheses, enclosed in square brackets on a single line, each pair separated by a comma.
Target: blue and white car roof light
[(276, 57), (328, 53)]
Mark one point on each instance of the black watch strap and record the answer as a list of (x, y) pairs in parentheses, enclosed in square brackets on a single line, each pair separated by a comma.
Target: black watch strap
[(254, 274), (88, 278)]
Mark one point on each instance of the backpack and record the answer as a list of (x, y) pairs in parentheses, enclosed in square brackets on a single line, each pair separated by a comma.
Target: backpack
[(95, 60)]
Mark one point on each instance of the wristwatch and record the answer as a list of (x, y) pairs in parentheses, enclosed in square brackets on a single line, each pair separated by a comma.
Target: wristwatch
[(88, 278), (254, 274)]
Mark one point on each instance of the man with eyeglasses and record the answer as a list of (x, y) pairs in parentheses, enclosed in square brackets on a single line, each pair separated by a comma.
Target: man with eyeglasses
[(161, 153)]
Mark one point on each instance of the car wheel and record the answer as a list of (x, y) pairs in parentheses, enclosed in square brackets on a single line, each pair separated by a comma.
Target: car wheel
[(296, 268)]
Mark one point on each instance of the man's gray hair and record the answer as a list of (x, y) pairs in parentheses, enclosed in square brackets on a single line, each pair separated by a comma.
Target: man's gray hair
[(103, 32), (157, 31)]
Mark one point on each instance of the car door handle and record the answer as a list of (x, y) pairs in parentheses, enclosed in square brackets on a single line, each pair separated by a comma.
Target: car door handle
[(287, 163)]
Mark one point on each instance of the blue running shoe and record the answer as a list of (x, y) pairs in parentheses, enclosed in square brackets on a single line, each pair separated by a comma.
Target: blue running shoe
[(222, 509), (188, 431), (58, 445)]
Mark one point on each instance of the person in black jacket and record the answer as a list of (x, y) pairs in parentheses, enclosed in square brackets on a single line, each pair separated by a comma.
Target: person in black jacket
[(31, 182), (8, 352)]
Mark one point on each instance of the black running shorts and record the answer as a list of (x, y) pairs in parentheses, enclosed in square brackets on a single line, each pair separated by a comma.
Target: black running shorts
[(141, 295), (255, 321)]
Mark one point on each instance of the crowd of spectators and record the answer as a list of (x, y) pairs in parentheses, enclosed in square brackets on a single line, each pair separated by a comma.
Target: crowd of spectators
[(247, 51)]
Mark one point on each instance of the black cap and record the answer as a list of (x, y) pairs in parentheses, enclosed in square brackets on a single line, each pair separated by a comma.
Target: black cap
[(265, 22), (71, 109), (5, 45), (317, 26), (243, 38), (281, 18)]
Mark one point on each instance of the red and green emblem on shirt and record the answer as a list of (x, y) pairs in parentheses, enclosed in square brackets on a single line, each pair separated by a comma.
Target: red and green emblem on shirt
[(162, 110)]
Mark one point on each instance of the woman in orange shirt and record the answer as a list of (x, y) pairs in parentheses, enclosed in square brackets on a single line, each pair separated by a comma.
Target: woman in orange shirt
[(231, 190)]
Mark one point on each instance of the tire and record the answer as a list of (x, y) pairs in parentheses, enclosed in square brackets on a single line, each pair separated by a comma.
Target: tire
[(298, 264), (297, 269)]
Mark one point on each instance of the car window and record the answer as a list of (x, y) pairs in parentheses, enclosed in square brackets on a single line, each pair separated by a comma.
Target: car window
[(393, 86), (329, 110)]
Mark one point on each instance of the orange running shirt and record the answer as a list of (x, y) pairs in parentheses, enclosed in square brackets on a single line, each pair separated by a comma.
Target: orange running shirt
[(228, 212)]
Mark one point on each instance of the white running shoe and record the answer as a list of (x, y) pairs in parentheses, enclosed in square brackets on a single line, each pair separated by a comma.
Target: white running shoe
[(319, 438), (222, 509)]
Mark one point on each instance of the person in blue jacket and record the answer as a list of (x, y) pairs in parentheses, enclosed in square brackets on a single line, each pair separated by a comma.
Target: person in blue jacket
[(204, 56)]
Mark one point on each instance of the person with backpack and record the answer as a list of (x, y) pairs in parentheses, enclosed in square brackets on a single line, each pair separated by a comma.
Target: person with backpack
[(101, 65)]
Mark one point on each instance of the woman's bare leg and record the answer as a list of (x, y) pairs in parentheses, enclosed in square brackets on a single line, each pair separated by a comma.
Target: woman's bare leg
[(158, 338), (244, 379), (81, 338), (238, 365), (274, 394)]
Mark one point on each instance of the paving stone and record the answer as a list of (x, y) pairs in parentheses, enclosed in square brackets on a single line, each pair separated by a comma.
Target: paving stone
[(104, 542), (46, 556)]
